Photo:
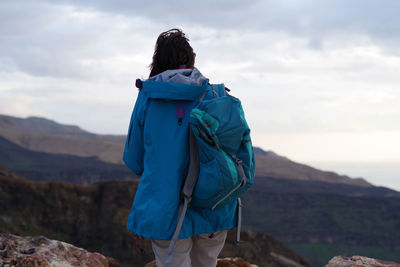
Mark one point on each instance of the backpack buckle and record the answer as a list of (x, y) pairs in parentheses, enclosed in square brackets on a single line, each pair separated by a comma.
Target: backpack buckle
[(237, 160)]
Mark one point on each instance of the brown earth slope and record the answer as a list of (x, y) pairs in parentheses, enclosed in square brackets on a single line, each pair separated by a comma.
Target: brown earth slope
[(44, 135), (275, 166)]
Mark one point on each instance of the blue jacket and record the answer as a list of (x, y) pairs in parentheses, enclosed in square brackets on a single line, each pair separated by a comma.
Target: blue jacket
[(157, 148)]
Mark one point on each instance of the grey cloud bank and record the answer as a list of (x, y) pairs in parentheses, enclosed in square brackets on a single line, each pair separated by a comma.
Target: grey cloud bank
[(311, 18), (312, 69)]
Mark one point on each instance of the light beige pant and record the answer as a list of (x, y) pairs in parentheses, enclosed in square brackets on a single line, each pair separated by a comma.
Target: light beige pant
[(197, 251)]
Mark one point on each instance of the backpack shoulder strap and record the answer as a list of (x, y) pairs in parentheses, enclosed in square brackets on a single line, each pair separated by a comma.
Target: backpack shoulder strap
[(187, 191), (219, 89)]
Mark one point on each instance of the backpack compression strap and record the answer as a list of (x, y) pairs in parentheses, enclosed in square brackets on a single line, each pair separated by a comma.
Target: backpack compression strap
[(187, 191), (219, 89), (239, 220)]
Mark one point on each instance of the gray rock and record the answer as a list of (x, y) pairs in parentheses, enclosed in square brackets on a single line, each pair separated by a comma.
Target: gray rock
[(3, 253), (41, 251), (28, 251), (359, 261)]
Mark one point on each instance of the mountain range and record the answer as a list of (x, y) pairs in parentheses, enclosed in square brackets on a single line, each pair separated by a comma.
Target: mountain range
[(43, 135)]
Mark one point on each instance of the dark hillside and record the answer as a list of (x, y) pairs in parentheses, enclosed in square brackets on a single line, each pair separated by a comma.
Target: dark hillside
[(320, 221), (290, 186), (94, 217), (43, 166)]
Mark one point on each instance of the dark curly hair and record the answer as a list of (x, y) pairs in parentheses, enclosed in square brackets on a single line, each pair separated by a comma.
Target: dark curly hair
[(172, 51)]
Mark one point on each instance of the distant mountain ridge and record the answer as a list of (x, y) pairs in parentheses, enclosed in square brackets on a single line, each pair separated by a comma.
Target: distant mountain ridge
[(275, 166), (42, 125), (43, 135), (259, 151)]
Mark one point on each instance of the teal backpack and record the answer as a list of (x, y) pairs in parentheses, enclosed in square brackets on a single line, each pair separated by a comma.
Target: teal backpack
[(225, 150), (222, 162)]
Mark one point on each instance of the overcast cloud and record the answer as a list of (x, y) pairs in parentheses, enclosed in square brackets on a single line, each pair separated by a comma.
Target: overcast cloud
[(319, 80)]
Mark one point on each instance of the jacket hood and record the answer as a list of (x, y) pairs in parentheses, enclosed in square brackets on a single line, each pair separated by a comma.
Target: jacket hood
[(181, 84)]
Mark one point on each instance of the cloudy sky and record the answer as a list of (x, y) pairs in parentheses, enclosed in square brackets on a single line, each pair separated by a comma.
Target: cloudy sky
[(319, 80)]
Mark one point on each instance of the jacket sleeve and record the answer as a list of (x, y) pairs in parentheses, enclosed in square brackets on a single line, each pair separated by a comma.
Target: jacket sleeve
[(134, 146)]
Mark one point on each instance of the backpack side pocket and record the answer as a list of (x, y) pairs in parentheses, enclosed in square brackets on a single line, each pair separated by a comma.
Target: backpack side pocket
[(208, 182)]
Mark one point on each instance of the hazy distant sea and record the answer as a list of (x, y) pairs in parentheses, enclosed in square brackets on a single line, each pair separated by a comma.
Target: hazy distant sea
[(378, 173)]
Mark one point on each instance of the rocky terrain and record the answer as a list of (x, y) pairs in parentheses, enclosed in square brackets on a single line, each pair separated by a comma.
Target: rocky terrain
[(224, 262), (234, 262), (39, 251)]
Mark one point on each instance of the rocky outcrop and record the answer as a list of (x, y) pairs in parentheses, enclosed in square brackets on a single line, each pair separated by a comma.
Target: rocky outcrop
[(234, 262), (359, 261), (39, 251), (261, 249), (225, 262)]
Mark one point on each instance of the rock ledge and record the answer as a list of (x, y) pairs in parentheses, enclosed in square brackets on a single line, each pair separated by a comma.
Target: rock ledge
[(359, 261), (39, 251)]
